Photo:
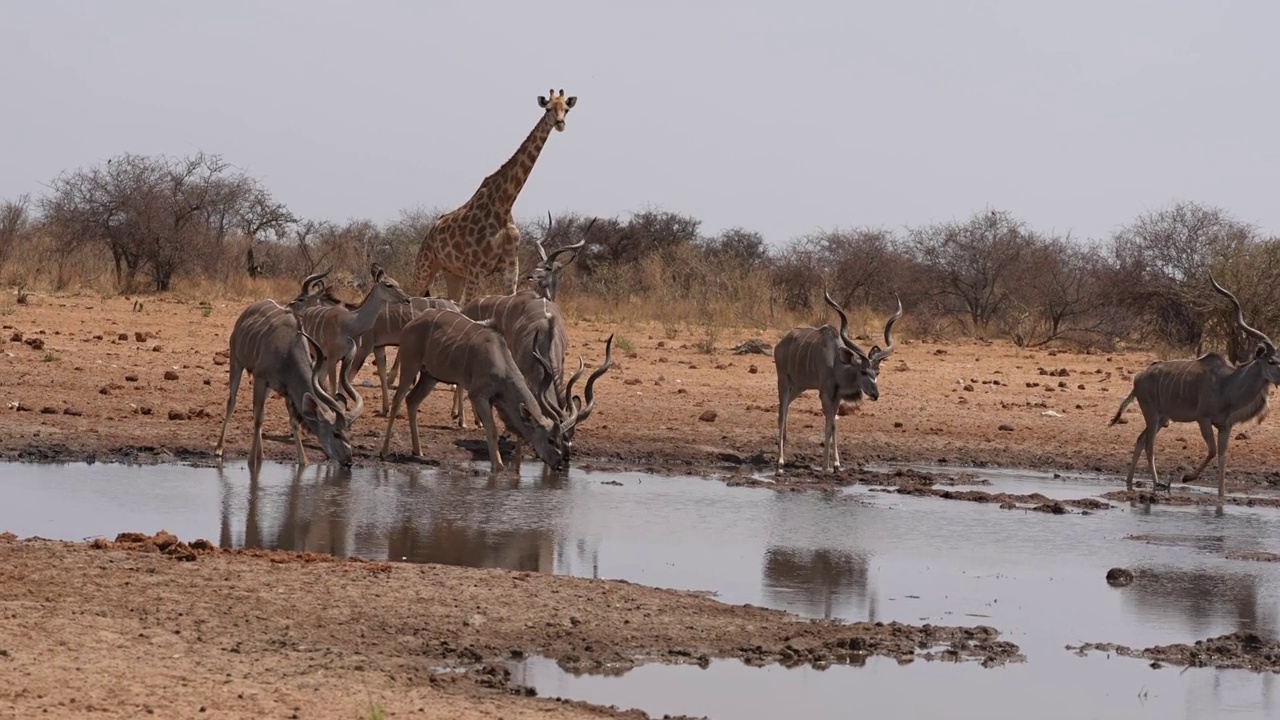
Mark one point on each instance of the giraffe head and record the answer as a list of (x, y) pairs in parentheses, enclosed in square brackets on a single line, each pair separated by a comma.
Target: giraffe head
[(557, 106)]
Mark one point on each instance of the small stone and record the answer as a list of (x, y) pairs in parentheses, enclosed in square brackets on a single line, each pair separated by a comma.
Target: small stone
[(140, 336), (170, 375), (682, 391), (707, 415), (35, 343), (122, 336), (177, 415), (16, 336), (157, 348), (632, 381), (145, 410), (753, 370), (207, 381), (219, 360), (968, 387), (74, 412), (897, 424), (131, 378), (1005, 427), (1119, 577), (48, 410)]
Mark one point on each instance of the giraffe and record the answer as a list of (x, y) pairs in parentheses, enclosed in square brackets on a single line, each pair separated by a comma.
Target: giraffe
[(480, 237)]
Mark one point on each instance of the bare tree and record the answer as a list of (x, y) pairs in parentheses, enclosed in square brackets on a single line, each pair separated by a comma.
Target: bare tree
[(15, 224), (972, 263)]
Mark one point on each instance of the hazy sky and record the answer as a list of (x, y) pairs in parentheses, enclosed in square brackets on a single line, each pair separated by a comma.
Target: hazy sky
[(783, 117)]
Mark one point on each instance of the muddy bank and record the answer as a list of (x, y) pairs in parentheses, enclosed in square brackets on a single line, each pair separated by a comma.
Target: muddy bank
[(1235, 651), (151, 386), (149, 622), (1035, 502), (1190, 499), (801, 479)]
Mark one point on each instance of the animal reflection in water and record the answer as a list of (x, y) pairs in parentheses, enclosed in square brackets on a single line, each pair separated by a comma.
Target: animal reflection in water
[(1204, 600), (380, 515), (822, 582)]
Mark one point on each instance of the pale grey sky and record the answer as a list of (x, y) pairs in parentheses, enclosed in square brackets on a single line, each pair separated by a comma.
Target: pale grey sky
[(783, 117)]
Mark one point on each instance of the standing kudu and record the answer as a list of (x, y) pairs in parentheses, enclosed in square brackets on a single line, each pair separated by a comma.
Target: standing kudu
[(335, 326), (822, 359), (1209, 391), (544, 278), (444, 346), (268, 343)]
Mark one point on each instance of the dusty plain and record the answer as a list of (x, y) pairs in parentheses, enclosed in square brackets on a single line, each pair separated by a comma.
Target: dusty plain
[(152, 625)]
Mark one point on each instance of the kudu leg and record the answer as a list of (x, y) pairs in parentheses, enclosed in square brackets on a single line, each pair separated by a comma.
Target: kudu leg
[(1137, 454), (237, 373), (1206, 431), (1150, 448), (830, 456), (484, 411), (380, 364), (785, 399), (1224, 435), (402, 389), (417, 394), (296, 429), (260, 391)]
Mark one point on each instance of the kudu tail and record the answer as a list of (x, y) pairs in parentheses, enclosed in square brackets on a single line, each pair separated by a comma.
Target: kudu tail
[(1123, 406)]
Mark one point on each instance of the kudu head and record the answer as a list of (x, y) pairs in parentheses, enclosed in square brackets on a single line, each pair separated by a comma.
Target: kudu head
[(324, 416), (545, 276), (855, 367), (540, 428), (315, 291), (575, 411), (385, 288), (1266, 351)]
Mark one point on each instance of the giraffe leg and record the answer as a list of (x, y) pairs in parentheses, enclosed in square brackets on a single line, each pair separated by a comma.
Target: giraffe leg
[(456, 287)]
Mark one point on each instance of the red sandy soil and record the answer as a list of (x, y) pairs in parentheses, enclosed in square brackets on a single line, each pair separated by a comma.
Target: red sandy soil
[(89, 377)]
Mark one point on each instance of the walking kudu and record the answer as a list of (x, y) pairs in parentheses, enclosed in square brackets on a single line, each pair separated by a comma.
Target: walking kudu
[(444, 346), (334, 326), (1209, 391), (268, 343), (822, 359)]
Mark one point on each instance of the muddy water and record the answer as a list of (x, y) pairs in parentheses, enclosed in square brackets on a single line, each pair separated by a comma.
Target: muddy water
[(857, 555)]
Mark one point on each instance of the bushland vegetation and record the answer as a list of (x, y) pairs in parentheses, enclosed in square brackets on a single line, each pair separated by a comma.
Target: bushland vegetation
[(198, 226)]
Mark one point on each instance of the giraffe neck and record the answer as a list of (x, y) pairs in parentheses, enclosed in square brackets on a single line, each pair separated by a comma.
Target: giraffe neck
[(501, 189)]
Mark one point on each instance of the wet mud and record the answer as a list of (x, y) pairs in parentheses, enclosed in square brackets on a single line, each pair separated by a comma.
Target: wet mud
[(1190, 499), (1233, 651)]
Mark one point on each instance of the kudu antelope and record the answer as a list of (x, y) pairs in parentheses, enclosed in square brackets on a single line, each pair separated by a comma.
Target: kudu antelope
[(335, 326), (544, 278), (1209, 391), (385, 330), (444, 346), (268, 342), (822, 359)]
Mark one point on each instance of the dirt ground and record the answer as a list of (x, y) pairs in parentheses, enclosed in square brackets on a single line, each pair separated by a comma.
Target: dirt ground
[(151, 625), (90, 377)]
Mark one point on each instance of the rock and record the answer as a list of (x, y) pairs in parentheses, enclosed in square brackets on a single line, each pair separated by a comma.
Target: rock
[(897, 424), (753, 370), (707, 415), (131, 378), (682, 391), (35, 343), (48, 410), (968, 387), (207, 381), (219, 360), (1005, 427), (16, 336), (145, 410), (74, 412), (140, 336), (122, 336), (631, 381), (1119, 577), (170, 375)]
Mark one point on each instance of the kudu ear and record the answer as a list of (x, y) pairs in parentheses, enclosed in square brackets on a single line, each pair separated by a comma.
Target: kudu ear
[(526, 415), (1259, 352), (847, 356)]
